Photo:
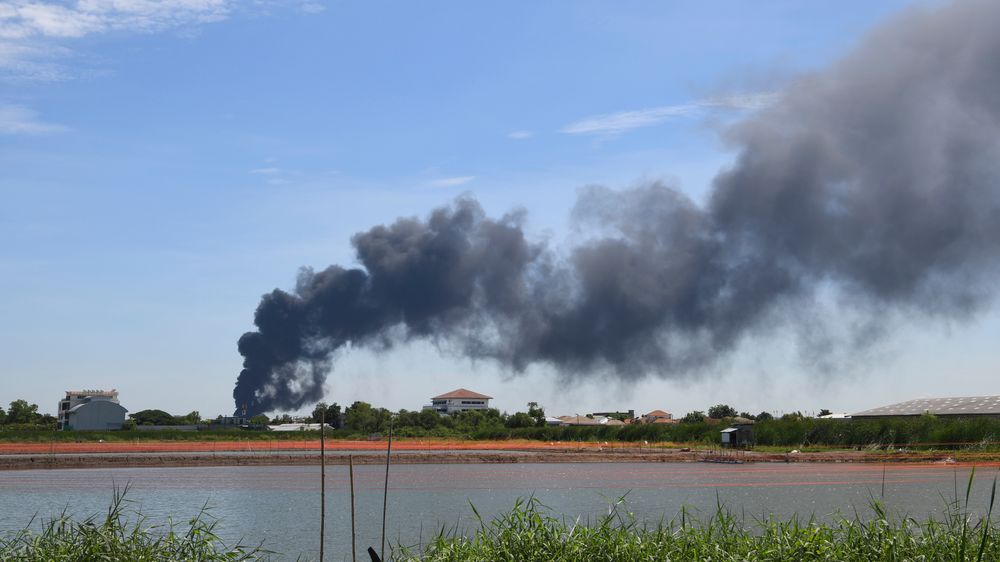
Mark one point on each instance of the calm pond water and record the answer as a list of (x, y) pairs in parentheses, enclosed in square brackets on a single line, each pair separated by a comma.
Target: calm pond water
[(280, 504)]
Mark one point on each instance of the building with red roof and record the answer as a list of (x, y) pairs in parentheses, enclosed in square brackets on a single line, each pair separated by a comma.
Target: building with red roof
[(459, 400), (658, 416)]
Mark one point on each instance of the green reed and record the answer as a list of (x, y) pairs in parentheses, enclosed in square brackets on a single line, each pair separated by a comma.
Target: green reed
[(529, 532), (120, 535)]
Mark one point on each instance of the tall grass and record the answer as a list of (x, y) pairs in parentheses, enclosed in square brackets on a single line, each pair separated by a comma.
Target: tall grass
[(925, 431), (120, 535), (530, 533)]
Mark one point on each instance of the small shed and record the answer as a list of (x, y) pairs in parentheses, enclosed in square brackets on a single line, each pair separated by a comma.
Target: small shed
[(738, 436)]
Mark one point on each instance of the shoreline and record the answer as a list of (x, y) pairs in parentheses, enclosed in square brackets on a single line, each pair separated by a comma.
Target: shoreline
[(54, 456)]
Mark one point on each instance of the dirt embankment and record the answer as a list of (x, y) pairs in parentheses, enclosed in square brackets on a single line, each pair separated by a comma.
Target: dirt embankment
[(21, 456), (259, 446)]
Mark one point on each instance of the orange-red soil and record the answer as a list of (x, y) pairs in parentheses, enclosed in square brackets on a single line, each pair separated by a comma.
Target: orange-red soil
[(15, 456)]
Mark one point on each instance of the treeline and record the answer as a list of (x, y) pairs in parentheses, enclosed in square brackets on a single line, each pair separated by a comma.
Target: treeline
[(790, 430), (927, 430), (363, 418), (160, 417), (796, 432), (20, 415)]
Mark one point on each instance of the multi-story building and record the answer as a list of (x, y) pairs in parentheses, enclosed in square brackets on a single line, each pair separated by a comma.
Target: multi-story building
[(658, 416), (91, 410), (459, 400)]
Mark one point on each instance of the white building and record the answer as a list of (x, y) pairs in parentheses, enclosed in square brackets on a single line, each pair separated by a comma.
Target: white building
[(91, 410), (299, 427), (459, 400), (584, 420)]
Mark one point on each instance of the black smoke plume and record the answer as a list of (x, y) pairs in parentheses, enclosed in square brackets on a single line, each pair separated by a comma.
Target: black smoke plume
[(876, 178)]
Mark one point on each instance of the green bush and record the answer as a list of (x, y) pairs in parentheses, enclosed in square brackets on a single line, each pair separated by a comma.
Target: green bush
[(530, 533), (117, 537)]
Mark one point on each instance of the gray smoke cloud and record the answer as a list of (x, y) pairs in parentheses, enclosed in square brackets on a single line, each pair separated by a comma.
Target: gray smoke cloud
[(876, 177)]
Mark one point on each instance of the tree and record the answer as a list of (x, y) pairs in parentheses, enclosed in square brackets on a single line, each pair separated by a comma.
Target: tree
[(22, 412), (764, 416), (428, 419), (260, 419), (331, 414), (748, 415), (193, 418), (472, 421), (694, 417), (537, 413), (153, 417), (519, 419), (318, 413), (720, 411), (361, 416), (3, 416), (824, 412)]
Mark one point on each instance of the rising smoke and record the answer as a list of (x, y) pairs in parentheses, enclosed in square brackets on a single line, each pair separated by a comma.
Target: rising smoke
[(877, 177)]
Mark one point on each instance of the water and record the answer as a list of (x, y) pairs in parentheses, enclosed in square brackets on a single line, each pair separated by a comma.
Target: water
[(280, 504)]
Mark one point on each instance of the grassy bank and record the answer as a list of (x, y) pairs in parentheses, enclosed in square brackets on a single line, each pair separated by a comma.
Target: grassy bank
[(123, 536), (530, 533), (923, 431), (927, 432)]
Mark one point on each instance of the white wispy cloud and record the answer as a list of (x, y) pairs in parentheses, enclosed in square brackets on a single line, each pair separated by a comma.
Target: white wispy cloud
[(19, 120), (23, 19), (451, 182), (623, 121), (520, 135), (312, 7), (34, 62), (32, 31), (266, 171)]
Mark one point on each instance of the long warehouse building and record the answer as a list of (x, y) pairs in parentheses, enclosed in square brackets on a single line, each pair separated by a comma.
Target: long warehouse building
[(964, 406)]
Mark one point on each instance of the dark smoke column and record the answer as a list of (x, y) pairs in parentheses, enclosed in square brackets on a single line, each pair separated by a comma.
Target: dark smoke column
[(422, 278), (876, 180)]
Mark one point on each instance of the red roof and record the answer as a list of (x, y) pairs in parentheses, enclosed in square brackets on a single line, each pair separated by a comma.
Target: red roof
[(461, 393), (658, 414)]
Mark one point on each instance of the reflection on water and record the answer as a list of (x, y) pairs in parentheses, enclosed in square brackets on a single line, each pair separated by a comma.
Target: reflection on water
[(280, 504)]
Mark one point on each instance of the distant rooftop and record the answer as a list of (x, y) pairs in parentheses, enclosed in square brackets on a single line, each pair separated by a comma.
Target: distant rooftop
[(92, 392), (462, 393), (579, 420), (959, 406)]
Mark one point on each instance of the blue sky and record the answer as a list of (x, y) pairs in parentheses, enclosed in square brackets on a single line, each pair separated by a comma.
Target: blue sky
[(163, 164)]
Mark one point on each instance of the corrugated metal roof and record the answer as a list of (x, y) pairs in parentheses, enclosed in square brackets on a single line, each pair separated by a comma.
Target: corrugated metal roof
[(964, 405)]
